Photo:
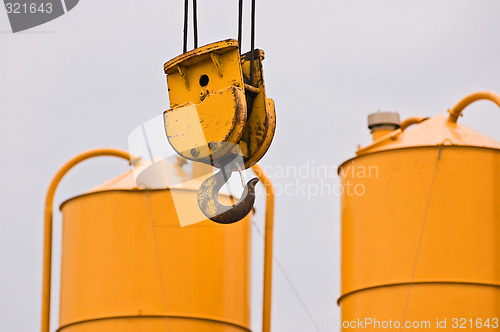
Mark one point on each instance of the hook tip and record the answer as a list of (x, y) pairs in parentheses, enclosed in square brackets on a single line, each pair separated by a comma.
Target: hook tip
[(252, 183)]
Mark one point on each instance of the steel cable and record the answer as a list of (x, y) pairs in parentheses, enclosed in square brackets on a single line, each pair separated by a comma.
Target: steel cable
[(240, 22), (195, 24), (186, 9), (252, 44)]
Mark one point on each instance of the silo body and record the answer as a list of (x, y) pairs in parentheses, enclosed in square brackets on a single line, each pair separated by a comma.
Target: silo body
[(421, 230), (127, 265)]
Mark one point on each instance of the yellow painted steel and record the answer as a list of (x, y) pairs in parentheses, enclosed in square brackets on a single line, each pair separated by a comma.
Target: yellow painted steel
[(421, 227), (217, 108), (219, 118), (207, 100), (268, 248), (456, 111), (127, 265), (411, 121), (261, 121), (47, 240), (219, 62)]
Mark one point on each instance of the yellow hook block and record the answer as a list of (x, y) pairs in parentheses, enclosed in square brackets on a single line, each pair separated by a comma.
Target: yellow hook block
[(217, 108), (207, 100)]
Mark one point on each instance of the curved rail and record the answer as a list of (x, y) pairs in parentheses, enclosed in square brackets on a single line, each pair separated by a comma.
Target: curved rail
[(48, 215), (411, 121), (456, 111), (47, 237), (268, 248)]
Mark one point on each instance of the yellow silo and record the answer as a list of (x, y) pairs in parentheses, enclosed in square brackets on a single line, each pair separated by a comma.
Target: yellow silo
[(128, 265), (421, 226)]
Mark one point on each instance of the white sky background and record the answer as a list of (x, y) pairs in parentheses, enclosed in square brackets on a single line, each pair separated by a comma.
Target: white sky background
[(88, 78)]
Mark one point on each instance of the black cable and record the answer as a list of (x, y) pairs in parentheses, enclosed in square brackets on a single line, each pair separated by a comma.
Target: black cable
[(240, 21), (186, 4), (252, 44), (195, 25)]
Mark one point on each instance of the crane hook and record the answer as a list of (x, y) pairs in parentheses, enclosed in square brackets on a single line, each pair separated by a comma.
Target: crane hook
[(211, 207)]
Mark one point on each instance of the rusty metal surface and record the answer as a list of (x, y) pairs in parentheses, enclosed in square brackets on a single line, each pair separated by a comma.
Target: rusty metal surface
[(194, 75), (205, 78), (208, 130), (193, 56), (211, 207), (219, 113), (261, 120)]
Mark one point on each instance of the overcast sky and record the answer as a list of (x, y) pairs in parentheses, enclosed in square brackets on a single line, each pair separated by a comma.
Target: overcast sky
[(88, 78)]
